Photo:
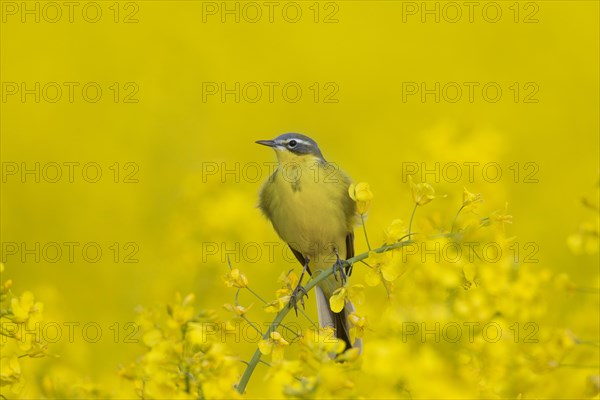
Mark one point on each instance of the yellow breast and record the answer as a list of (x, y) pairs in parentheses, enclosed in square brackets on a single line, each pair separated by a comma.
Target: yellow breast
[(307, 201)]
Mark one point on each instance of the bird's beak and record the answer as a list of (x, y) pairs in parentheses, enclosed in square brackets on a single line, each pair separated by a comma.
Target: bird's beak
[(270, 143)]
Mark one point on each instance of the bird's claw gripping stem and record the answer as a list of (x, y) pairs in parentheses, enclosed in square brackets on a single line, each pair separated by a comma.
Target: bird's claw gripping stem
[(338, 268), (297, 296), (299, 292)]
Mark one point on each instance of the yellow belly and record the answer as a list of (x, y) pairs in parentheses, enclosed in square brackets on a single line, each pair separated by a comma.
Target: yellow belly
[(309, 214)]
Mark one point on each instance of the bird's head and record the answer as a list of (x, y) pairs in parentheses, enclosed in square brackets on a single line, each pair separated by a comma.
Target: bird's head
[(294, 147)]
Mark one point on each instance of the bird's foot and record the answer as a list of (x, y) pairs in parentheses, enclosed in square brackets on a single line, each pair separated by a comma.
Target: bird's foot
[(338, 268), (297, 296)]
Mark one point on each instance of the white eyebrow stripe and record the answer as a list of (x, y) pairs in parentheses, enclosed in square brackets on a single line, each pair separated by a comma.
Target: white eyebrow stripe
[(300, 141)]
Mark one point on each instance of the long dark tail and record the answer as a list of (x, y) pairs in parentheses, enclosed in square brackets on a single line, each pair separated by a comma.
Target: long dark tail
[(339, 321)]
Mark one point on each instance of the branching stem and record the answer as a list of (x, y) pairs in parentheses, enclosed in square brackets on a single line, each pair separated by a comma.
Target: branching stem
[(241, 386)]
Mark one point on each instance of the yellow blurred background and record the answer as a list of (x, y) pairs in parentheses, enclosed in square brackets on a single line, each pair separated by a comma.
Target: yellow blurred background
[(186, 157)]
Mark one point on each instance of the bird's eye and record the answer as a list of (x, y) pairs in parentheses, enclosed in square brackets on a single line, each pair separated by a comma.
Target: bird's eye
[(292, 143)]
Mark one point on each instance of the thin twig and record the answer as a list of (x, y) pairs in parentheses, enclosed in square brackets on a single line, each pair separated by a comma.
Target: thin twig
[(362, 218), (411, 219)]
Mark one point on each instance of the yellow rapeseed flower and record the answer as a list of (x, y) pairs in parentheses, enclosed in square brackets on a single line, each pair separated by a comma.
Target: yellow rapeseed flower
[(182, 310), (362, 195), (422, 193), (322, 343), (288, 282), (338, 299), (503, 217), (277, 304), (10, 370), (469, 197), (273, 345), (24, 306), (396, 231), (237, 309), (470, 200), (235, 278), (375, 261), (359, 324), (355, 293)]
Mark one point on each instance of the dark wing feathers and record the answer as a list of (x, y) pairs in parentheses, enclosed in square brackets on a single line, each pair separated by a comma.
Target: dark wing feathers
[(300, 258), (349, 251)]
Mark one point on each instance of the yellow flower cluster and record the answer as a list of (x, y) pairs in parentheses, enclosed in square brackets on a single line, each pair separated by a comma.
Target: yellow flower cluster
[(464, 306), (320, 370), (184, 357), (20, 334)]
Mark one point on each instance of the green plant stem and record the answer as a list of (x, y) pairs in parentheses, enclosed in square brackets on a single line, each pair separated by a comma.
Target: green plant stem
[(455, 218), (265, 302), (411, 220), (362, 218), (241, 386), (256, 295)]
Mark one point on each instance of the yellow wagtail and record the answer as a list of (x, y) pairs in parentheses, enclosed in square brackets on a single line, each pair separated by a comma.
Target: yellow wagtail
[(306, 199)]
